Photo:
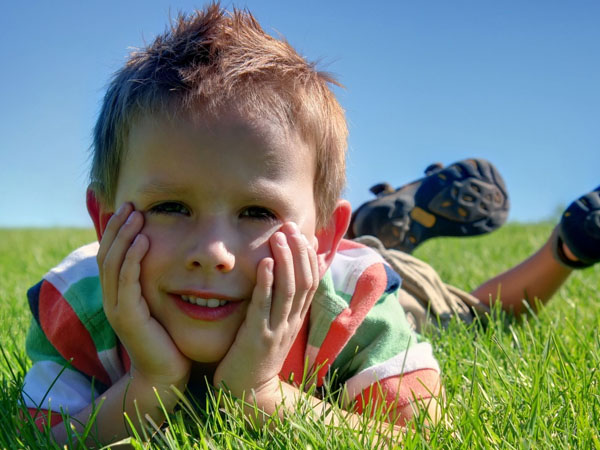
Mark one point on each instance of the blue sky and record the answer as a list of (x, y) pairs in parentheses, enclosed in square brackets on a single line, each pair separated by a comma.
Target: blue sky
[(515, 82)]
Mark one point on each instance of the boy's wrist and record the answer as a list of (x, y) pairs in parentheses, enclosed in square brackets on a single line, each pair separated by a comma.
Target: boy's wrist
[(262, 403), (165, 387), (267, 396)]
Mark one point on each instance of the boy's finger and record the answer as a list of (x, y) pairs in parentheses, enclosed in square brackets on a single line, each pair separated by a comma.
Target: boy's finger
[(259, 310), (284, 285), (129, 289), (111, 230), (110, 270), (314, 266), (303, 274)]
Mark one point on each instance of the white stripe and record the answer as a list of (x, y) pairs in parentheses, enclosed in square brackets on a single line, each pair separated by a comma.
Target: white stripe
[(417, 357), (112, 364), (357, 252), (349, 265), (71, 392), (78, 265)]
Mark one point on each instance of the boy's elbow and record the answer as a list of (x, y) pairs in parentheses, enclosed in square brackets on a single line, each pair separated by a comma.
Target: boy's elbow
[(415, 397), (427, 411), (425, 405)]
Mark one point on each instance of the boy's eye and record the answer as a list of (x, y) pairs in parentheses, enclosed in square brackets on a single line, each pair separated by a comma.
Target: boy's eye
[(258, 213), (169, 208)]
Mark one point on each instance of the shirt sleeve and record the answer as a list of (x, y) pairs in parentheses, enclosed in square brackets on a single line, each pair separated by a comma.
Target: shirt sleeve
[(383, 352), (52, 383), (73, 349), (360, 338)]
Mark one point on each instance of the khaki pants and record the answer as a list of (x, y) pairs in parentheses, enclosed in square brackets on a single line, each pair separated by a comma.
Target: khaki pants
[(426, 299)]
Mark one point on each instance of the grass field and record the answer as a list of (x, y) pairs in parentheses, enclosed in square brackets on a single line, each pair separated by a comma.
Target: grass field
[(533, 383)]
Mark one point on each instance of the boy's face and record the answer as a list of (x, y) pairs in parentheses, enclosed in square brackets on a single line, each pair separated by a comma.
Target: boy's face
[(210, 200)]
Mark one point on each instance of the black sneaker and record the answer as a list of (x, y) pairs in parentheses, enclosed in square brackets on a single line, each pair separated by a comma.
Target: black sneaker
[(579, 229), (467, 198)]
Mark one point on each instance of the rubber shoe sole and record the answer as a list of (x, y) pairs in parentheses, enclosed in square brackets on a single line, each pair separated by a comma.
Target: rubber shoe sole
[(467, 198), (579, 229)]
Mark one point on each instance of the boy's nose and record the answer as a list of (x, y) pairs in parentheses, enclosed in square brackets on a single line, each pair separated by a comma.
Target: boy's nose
[(211, 256)]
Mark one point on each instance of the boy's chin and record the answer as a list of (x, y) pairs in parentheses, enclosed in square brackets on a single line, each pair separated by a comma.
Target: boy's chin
[(204, 347), (205, 359)]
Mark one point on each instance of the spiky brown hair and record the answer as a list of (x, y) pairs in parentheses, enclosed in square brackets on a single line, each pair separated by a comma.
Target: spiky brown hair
[(213, 59)]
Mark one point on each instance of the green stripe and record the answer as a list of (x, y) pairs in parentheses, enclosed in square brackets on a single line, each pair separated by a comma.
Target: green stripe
[(39, 348), (85, 297), (384, 333), (326, 306)]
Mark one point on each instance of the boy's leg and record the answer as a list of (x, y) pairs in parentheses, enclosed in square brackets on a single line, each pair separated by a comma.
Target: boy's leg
[(575, 243), (427, 301), (466, 198)]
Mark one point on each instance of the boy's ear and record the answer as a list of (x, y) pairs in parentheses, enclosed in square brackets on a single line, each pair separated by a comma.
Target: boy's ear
[(98, 213), (330, 235)]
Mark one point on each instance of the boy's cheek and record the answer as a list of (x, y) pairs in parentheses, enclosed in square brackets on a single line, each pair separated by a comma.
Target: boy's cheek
[(254, 255), (260, 246)]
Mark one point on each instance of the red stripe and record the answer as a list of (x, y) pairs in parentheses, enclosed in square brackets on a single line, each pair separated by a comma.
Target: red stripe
[(67, 334), (399, 391), (369, 288), (294, 362), (40, 418)]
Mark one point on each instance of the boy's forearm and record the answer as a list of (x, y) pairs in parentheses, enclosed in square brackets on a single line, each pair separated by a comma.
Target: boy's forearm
[(286, 397), (128, 395)]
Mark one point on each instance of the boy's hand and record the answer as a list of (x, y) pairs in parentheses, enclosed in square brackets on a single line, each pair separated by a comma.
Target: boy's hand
[(285, 285), (154, 356)]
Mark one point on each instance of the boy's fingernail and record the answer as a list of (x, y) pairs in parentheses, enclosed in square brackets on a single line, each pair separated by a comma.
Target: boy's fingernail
[(121, 209), (131, 217), (280, 239), (294, 228)]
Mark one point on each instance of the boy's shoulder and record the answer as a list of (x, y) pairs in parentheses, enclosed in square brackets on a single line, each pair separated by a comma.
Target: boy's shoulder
[(69, 323), (69, 295), (357, 326), (356, 264), (77, 266)]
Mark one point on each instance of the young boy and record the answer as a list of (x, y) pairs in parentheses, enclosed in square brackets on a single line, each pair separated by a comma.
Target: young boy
[(218, 167)]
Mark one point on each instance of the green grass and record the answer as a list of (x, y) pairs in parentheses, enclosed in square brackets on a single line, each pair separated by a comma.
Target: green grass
[(531, 383)]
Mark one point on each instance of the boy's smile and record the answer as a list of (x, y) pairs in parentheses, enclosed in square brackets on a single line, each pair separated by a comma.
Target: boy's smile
[(211, 197)]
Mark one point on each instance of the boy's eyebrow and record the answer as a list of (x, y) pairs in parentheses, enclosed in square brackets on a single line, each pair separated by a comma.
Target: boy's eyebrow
[(154, 187)]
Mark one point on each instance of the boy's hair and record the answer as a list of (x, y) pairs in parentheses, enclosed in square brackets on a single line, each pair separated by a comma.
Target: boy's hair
[(213, 60)]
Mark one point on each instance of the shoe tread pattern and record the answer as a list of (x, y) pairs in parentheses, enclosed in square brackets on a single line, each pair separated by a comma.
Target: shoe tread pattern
[(579, 227)]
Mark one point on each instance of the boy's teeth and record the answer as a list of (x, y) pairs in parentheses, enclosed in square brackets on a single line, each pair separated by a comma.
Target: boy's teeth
[(211, 302)]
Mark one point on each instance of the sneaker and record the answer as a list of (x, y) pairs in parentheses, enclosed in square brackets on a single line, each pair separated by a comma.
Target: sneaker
[(467, 198), (579, 229)]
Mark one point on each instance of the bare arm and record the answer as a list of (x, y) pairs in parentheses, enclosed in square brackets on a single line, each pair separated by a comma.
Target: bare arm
[(127, 394), (391, 427), (538, 277)]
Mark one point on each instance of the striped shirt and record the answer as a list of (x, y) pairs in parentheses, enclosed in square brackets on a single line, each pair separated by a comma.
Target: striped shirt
[(356, 329)]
